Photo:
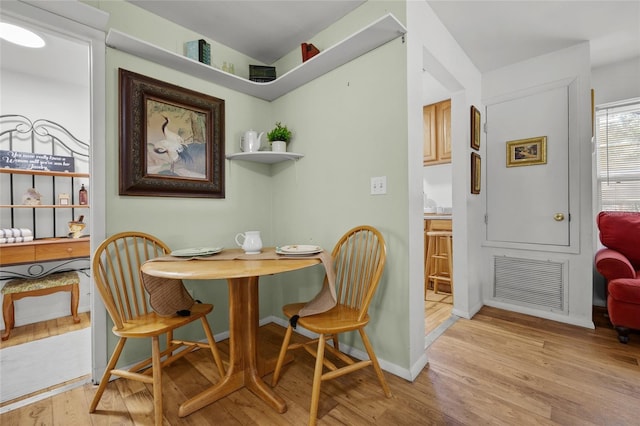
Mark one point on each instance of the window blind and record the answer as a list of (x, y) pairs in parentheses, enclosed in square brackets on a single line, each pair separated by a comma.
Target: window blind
[(618, 156)]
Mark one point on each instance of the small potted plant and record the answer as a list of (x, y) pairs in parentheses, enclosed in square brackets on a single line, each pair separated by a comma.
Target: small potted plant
[(279, 136)]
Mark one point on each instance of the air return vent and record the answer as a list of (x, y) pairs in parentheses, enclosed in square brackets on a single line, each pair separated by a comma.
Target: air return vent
[(529, 281)]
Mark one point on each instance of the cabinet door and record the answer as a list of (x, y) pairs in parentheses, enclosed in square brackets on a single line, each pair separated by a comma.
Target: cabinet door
[(429, 136), (443, 120)]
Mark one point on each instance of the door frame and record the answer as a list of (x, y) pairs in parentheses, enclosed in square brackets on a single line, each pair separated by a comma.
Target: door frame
[(87, 24)]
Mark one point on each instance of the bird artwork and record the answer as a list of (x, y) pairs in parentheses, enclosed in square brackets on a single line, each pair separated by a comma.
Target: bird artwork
[(171, 154)]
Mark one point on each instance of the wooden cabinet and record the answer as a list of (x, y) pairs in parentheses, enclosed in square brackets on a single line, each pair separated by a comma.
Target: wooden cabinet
[(437, 133), (44, 250)]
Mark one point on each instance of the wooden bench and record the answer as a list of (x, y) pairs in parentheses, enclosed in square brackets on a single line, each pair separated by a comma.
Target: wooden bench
[(17, 289)]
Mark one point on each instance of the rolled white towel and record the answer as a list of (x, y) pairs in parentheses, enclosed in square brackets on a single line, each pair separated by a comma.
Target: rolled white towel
[(26, 232)]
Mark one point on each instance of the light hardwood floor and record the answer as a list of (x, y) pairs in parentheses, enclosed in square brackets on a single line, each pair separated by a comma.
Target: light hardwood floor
[(437, 308), (500, 368), (40, 330)]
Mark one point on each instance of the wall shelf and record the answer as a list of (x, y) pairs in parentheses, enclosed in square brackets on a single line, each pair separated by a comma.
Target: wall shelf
[(376, 34), (44, 206), (42, 173), (268, 157)]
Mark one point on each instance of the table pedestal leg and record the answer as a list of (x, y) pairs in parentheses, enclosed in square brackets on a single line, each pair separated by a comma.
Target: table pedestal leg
[(243, 353)]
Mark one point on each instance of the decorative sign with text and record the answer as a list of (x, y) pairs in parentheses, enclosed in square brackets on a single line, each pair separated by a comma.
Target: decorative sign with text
[(31, 161)]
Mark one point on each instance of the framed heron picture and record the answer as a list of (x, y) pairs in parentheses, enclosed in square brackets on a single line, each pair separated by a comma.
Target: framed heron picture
[(171, 140)]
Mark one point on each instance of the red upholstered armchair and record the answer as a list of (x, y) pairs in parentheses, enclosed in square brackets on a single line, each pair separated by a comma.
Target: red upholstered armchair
[(619, 263)]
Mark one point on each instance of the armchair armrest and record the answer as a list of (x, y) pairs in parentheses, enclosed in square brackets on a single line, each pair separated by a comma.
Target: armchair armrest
[(612, 264)]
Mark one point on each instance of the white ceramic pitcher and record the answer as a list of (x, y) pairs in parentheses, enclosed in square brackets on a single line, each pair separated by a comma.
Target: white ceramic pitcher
[(250, 141), (250, 242)]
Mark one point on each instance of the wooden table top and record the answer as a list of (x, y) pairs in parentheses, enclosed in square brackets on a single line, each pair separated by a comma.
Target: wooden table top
[(200, 269)]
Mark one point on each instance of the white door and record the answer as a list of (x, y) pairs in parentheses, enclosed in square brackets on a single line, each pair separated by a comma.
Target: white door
[(529, 203)]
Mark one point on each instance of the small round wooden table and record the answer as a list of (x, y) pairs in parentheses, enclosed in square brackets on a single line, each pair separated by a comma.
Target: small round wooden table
[(242, 278)]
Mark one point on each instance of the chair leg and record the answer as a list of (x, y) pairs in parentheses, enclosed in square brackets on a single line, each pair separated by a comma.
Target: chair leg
[(213, 346), (450, 262), (428, 268), (317, 380), (374, 363), (157, 380), (283, 353), (623, 334), (107, 374)]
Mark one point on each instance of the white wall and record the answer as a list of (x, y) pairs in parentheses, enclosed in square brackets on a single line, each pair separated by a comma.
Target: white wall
[(616, 82), (431, 47), (437, 183)]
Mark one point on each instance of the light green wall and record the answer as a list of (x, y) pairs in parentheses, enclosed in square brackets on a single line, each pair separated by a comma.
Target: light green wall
[(350, 124)]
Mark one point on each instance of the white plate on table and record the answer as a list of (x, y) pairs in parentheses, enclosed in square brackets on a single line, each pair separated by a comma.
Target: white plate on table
[(197, 251), (298, 250)]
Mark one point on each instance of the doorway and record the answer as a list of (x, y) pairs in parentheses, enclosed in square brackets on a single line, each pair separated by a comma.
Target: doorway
[(437, 190), (39, 85)]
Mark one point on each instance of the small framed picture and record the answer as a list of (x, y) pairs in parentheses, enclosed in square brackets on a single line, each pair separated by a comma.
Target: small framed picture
[(475, 128), (64, 199), (527, 152), (476, 167)]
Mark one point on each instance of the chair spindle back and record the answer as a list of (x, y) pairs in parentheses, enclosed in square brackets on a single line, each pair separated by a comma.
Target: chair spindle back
[(359, 258), (116, 268)]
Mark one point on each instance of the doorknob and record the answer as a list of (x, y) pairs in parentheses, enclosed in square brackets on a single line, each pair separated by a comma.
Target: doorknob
[(559, 217)]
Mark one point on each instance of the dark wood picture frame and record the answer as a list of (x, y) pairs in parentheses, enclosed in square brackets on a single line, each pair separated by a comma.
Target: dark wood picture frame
[(475, 128), (171, 139), (476, 172)]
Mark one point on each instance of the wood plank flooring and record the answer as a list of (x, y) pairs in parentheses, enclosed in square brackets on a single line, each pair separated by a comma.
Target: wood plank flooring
[(40, 330), (437, 308), (500, 368)]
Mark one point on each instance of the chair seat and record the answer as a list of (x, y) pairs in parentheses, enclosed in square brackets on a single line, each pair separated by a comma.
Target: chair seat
[(338, 319), (152, 324)]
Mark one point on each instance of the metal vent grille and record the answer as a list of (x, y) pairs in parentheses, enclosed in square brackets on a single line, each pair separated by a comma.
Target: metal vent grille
[(529, 281)]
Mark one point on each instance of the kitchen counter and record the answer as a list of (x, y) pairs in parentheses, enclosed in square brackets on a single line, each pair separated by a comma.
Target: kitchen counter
[(437, 216)]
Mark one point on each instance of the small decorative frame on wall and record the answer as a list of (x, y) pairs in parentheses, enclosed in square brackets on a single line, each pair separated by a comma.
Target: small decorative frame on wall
[(527, 152), (475, 128), (476, 167), (171, 140)]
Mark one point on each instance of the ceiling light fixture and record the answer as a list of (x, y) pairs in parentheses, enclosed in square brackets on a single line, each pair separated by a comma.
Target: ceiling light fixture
[(20, 36)]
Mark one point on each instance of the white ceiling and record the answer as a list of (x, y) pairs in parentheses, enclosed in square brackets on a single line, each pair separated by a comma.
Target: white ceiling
[(265, 30), (492, 33), (499, 33)]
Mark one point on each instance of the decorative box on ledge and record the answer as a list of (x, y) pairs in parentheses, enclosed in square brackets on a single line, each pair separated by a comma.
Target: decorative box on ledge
[(261, 73), (199, 50)]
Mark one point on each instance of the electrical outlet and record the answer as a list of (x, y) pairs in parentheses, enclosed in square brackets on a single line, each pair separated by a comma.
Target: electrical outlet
[(378, 185)]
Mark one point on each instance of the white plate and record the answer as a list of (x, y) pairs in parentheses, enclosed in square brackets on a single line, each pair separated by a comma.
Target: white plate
[(198, 251), (299, 249)]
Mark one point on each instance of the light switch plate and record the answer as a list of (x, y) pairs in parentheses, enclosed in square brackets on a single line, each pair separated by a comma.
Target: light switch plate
[(378, 185)]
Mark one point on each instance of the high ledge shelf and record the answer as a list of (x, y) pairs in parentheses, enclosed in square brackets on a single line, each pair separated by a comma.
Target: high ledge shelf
[(376, 34)]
